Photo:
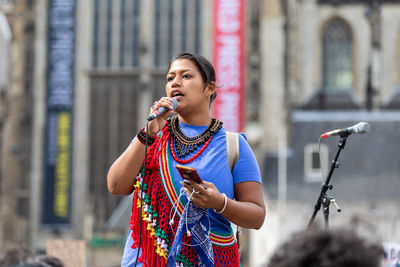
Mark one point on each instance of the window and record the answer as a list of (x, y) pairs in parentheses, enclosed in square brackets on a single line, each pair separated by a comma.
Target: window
[(118, 80), (182, 33), (116, 34), (312, 163), (337, 56)]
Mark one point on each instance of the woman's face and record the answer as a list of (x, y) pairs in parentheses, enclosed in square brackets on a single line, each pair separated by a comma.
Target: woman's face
[(186, 85)]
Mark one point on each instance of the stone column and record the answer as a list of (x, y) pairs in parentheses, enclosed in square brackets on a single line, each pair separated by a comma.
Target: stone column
[(15, 138)]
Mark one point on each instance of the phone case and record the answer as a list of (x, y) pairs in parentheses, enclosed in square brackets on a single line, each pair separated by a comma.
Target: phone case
[(189, 173)]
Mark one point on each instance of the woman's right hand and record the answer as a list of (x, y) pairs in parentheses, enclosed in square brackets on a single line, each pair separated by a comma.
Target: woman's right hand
[(121, 175), (158, 123)]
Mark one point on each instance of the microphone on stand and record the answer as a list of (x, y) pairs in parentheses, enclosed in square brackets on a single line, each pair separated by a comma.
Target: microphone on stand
[(359, 128), (162, 110)]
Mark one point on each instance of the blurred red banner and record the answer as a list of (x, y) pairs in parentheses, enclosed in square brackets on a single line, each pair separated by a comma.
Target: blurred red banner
[(229, 62)]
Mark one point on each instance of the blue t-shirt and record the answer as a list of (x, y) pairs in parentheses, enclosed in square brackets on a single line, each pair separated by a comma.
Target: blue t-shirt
[(212, 166)]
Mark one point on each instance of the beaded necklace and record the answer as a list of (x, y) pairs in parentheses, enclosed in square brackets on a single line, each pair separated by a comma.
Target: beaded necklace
[(185, 145)]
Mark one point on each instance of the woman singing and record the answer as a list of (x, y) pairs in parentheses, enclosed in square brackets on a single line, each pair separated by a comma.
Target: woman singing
[(187, 224)]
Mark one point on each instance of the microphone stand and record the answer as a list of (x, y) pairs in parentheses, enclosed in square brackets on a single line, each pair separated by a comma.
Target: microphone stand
[(323, 199)]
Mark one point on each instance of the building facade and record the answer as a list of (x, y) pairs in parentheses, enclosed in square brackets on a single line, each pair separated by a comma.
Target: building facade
[(17, 35), (329, 65), (91, 69)]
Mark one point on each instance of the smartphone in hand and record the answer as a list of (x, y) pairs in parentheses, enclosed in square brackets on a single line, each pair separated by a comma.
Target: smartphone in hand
[(189, 173)]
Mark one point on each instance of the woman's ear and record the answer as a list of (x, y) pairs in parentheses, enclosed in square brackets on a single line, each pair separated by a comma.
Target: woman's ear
[(210, 89)]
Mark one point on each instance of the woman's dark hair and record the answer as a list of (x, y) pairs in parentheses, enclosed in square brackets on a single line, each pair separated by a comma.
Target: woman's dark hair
[(204, 66)]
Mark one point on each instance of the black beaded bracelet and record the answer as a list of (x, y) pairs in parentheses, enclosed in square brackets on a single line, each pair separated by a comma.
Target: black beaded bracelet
[(141, 136)]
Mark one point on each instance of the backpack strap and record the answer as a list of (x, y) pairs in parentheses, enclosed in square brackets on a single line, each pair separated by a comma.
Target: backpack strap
[(232, 148)]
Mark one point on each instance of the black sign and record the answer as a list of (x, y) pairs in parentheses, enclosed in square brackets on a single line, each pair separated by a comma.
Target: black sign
[(60, 89)]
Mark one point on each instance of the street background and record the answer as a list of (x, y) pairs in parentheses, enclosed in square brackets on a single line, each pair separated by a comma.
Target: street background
[(77, 79)]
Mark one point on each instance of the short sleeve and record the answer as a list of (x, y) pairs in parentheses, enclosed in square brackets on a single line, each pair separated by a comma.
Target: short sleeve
[(246, 168)]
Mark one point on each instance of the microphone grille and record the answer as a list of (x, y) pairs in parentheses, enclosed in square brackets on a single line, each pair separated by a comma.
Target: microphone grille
[(174, 103), (362, 128)]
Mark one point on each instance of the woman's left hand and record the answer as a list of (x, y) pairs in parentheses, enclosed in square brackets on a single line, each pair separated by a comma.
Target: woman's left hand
[(205, 195), (246, 210)]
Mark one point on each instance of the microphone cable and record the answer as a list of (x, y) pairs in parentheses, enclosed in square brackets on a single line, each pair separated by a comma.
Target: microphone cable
[(141, 191)]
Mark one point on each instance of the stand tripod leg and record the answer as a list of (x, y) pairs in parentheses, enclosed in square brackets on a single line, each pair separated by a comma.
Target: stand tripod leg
[(326, 214), (323, 198)]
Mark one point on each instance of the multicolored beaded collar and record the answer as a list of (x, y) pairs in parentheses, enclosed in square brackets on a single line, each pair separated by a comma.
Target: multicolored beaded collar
[(185, 145)]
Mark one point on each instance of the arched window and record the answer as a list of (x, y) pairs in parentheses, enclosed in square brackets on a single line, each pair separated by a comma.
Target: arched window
[(337, 56)]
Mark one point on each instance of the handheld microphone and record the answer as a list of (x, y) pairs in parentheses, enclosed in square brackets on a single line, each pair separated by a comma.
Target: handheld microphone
[(162, 110), (359, 128)]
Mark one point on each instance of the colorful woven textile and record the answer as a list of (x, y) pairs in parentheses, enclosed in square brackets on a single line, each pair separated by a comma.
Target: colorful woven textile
[(159, 194)]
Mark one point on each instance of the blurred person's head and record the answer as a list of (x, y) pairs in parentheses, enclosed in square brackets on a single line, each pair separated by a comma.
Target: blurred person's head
[(21, 257), (50, 261), (14, 256), (328, 248)]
